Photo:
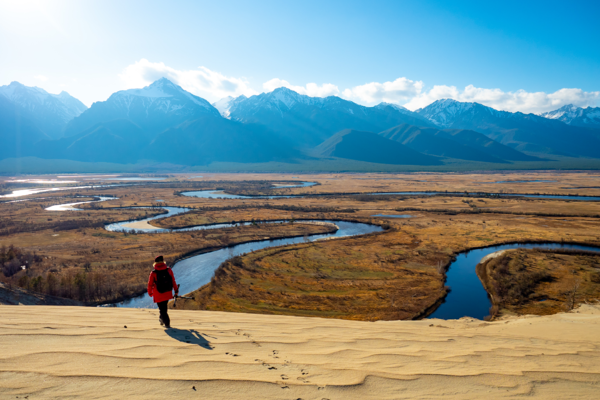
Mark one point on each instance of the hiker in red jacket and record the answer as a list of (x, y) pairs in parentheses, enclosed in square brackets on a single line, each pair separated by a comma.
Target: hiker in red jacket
[(160, 286)]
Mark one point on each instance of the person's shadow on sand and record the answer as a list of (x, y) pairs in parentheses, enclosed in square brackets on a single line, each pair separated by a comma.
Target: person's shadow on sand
[(189, 336)]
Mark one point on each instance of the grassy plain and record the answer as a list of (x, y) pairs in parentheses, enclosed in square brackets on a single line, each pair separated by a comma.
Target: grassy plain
[(411, 251), (392, 275), (540, 282), (366, 278)]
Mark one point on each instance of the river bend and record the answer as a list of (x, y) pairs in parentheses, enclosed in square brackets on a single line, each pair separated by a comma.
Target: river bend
[(466, 298)]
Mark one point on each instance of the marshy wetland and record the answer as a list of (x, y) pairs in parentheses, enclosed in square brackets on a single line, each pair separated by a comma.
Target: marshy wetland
[(248, 243)]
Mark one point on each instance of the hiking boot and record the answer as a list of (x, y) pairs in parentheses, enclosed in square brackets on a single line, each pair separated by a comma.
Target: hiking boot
[(161, 322)]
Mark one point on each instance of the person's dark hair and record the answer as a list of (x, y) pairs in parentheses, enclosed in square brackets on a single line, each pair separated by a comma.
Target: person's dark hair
[(159, 259)]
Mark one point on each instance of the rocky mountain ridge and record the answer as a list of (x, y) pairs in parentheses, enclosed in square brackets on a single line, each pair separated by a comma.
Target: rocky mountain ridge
[(162, 120)]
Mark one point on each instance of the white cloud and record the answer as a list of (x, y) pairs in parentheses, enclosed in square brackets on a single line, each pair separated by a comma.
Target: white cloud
[(411, 95), (41, 78), (400, 90), (520, 100), (202, 82), (214, 86), (311, 89)]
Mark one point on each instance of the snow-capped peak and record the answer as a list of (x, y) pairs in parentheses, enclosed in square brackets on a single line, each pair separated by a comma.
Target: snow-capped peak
[(289, 98), (15, 92), (573, 115), (286, 96), (227, 103), (37, 100), (163, 91), (569, 111), (155, 89), (451, 103), (396, 107), (443, 112)]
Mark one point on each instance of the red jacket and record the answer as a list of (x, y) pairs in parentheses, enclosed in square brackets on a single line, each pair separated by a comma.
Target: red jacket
[(158, 296)]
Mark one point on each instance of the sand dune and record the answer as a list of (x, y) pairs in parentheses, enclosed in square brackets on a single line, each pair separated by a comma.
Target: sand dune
[(61, 352)]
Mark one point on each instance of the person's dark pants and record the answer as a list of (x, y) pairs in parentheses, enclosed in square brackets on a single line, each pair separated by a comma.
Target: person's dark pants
[(162, 306)]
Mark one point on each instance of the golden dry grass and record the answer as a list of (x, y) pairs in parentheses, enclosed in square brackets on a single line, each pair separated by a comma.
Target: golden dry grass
[(366, 278), (437, 232), (540, 282), (427, 240)]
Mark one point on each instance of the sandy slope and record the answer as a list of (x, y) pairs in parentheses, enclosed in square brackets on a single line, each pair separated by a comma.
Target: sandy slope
[(76, 352)]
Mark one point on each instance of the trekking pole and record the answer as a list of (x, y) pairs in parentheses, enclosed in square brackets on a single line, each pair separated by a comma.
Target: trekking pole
[(175, 301), (180, 297)]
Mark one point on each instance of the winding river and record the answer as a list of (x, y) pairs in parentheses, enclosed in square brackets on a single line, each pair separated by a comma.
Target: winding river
[(219, 194), (27, 192), (71, 206), (196, 271), (466, 298)]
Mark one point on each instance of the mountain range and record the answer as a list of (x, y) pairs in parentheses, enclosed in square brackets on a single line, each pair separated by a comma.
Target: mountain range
[(308, 121), (49, 112), (523, 132), (163, 122), (154, 108), (585, 117)]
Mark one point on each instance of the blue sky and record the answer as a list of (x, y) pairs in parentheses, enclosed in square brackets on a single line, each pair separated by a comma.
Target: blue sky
[(524, 55)]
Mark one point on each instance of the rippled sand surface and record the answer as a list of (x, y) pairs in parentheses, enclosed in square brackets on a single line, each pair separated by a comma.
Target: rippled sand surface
[(97, 353)]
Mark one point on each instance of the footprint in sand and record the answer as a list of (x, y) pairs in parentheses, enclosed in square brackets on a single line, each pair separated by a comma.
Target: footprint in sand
[(284, 377), (254, 342), (232, 354)]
